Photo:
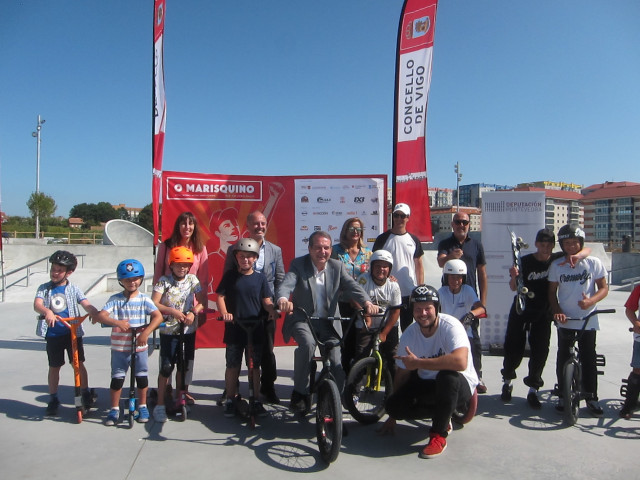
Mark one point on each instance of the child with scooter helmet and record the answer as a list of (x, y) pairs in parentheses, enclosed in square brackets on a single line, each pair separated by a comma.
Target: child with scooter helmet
[(59, 298), (461, 301), (175, 297), (243, 294), (386, 295), (125, 312)]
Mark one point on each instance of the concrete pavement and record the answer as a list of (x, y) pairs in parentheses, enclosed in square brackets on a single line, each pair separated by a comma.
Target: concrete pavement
[(503, 441)]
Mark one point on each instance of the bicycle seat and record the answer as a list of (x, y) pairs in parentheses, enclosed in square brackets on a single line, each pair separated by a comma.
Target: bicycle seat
[(332, 343)]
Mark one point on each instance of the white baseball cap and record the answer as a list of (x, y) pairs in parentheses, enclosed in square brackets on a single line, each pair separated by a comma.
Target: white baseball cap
[(402, 207)]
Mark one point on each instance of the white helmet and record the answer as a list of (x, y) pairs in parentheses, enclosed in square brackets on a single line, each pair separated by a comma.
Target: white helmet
[(247, 245), (455, 267), (383, 256)]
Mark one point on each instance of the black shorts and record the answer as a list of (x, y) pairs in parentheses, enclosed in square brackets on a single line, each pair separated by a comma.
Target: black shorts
[(169, 348), (56, 347)]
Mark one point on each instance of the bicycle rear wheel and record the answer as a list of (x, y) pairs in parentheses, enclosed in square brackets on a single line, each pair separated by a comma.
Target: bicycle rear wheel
[(364, 398), (571, 392), (329, 420)]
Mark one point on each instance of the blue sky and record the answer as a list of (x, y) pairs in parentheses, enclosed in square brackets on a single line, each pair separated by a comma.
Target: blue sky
[(520, 91)]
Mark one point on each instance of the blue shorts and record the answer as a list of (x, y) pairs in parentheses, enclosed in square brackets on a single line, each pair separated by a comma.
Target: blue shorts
[(56, 347), (635, 357), (120, 362), (233, 354)]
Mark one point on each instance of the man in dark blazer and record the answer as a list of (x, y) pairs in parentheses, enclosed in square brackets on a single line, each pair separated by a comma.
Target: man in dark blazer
[(314, 282), (270, 264)]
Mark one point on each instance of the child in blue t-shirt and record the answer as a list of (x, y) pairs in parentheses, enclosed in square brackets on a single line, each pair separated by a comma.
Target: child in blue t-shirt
[(243, 293), (124, 312), (55, 299)]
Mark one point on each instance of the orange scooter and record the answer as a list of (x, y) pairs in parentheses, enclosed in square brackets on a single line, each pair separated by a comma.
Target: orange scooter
[(73, 323)]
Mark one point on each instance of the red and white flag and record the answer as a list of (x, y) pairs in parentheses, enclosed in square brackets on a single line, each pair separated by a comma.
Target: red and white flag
[(413, 78), (159, 111)]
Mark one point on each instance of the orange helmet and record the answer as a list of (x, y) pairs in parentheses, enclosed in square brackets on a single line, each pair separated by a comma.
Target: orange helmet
[(180, 255)]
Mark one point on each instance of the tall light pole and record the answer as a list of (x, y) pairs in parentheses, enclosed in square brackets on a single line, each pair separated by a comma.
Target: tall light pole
[(36, 134), (458, 178)]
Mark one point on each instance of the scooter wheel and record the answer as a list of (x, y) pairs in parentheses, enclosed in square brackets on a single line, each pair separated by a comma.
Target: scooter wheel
[(183, 417)]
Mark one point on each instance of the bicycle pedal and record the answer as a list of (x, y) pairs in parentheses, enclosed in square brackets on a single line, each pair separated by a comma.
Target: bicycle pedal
[(623, 391)]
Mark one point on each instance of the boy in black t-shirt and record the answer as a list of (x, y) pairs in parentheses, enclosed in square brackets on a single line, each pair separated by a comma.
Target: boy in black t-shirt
[(243, 294)]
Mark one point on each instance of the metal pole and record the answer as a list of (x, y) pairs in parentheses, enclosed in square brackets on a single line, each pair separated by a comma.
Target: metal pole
[(458, 178), (37, 135)]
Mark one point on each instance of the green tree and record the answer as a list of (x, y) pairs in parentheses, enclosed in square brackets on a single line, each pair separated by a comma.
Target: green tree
[(145, 218), (41, 205), (94, 214), (123, 214)]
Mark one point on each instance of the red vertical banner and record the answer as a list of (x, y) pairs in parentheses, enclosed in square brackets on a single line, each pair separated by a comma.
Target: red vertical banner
[(413, 79), (159, 112)]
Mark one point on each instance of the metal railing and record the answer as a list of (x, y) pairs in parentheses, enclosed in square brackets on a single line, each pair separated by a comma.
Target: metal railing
[(69, 238), (30, 269)]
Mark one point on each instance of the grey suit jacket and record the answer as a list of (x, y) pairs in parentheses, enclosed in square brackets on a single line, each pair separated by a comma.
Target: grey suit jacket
[(273, 264), (300, 286)]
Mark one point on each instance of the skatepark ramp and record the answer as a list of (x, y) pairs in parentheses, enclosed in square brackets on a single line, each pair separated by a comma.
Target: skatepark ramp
[(124, 233)]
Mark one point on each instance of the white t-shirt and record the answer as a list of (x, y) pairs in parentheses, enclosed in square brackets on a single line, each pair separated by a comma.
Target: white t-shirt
[(402, 249), (449, 336), (572, 283), (458, 304), (385, 296)]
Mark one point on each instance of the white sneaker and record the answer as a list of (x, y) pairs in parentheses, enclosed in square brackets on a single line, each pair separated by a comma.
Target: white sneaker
[(160, 414)]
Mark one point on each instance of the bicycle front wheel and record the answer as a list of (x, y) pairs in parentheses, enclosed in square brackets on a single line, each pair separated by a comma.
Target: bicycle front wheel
[(364, 396), (329, 420), (571, 392)]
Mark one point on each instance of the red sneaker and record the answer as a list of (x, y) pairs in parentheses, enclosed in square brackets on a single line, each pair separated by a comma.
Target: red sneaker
[(437, 444)]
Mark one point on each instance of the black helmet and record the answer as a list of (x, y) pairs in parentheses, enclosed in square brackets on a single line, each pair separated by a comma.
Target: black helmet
[(67, 259), (425, 293), (570, 231)]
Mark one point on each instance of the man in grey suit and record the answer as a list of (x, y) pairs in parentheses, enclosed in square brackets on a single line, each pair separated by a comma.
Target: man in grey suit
[(314, 282), (270, 264)]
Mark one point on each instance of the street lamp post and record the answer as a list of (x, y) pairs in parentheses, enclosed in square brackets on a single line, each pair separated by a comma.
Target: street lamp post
[(36, 134), (458, 178)]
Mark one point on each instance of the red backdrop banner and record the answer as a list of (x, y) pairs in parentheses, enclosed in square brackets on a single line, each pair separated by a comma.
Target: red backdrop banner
[(294, 207)]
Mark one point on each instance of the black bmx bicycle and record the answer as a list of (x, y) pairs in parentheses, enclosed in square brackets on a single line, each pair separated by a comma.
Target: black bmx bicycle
[(571, 388), (370, 382), (324, 386)]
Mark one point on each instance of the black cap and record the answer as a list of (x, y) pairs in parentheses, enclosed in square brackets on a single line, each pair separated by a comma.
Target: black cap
[(545, 235)]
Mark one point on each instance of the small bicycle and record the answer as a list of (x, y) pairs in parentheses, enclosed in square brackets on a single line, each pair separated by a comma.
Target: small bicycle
[(571, 388), (324, 386), (370, 382)]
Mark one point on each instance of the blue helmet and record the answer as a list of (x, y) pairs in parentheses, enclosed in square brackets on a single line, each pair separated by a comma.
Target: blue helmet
[(129, 268)]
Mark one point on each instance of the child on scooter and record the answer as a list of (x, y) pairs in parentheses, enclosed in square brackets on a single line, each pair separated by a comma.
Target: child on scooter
[(243, 293), (60, 298), (125, 311), (174, 296)]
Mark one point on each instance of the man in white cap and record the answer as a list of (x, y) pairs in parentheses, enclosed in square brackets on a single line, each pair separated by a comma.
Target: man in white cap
[(407, 253)]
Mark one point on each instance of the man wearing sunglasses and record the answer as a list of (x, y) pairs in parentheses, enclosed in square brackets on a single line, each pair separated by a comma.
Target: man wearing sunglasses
[(461, 246), (407, 253)]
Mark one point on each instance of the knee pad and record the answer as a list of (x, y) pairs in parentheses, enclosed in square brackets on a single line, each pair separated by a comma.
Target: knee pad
[(166, 370), (142, 382), (116, 384)]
